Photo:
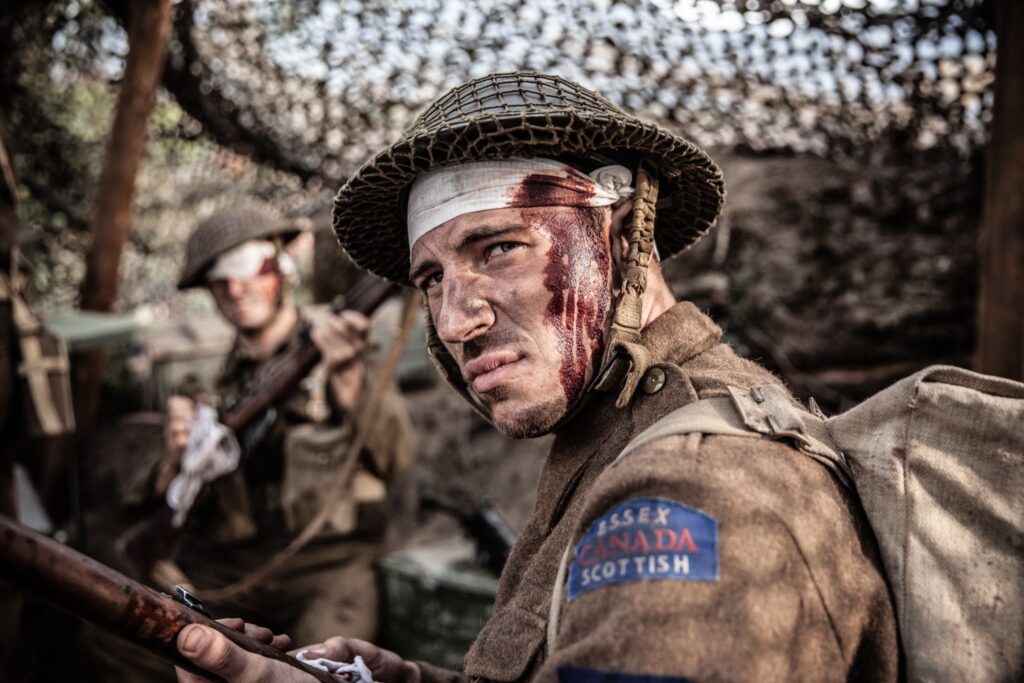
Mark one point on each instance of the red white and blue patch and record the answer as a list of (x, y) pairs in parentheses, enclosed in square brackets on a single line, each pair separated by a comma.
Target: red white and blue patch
[(642, 540)]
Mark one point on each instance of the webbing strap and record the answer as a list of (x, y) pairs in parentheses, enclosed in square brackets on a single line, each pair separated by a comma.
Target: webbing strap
[(555, 610), (707, 416), (36, 367)]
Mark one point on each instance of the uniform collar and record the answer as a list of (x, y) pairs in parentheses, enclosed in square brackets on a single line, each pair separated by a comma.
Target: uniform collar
[(676, 336)]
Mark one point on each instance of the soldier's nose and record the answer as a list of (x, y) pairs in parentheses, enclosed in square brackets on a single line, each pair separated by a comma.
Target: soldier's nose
[(464, 313), (235, 288)]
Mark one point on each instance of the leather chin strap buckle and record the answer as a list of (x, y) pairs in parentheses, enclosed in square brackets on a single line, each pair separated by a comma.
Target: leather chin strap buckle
[(612, 372)]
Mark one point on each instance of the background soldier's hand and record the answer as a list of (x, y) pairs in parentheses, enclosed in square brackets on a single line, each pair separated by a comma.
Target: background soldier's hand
[(342, 339), (180, 412), (212, 652), (386, 666)]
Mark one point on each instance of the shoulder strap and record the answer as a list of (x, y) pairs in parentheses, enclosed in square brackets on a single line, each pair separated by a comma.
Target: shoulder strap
[(706, 416), (760, 412), (765, 412)]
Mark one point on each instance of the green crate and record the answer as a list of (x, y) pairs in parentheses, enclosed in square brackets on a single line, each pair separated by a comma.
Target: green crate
[(435, 600)]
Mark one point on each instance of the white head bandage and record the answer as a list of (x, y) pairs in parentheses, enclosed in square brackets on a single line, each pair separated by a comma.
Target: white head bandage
[(249, 259), (445, 193)]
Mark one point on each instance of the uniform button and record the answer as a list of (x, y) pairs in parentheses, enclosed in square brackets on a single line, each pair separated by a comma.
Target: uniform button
[(654, 381)]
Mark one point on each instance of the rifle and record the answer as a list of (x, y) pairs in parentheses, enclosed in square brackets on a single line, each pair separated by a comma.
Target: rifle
[(251, 415), (96, 593), (481, 522)]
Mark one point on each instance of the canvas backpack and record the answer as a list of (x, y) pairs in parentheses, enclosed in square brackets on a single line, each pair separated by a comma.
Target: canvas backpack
[(937, 461)]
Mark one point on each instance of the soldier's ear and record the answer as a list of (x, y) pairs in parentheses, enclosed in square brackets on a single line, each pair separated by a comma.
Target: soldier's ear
[(622, 217)]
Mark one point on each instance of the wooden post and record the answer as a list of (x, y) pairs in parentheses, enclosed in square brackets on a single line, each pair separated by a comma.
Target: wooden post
[(148, 34), (1000, 345)]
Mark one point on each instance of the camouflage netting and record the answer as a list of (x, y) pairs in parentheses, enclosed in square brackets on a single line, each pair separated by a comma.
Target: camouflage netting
[(318, 86), (850, 132)]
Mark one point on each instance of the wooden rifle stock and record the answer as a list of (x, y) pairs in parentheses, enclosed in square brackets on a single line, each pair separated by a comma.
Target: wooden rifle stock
[(96, 593), (153, 538)]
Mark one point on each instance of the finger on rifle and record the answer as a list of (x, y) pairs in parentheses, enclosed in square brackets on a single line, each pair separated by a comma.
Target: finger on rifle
[(211, 651), (234, 623), (280, 641), (260, 633), (342, 327), (355, 322)]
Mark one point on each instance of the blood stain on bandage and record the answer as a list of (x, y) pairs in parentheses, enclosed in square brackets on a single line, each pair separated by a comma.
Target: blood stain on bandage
[(546, 189)]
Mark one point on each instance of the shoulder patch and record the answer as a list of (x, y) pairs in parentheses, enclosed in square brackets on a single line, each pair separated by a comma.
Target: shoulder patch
[(645, 539), (568, 674)]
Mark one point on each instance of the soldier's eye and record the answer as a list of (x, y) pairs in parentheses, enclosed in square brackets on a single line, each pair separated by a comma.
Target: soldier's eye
[(500, 248), (431, 280)]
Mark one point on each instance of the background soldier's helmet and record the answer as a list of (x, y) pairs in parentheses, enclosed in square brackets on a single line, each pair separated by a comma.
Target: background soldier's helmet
[(522, 114), (225, 230)]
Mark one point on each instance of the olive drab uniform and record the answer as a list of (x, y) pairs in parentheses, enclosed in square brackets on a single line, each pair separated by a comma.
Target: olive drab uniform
[(252, 513), (698, 558)]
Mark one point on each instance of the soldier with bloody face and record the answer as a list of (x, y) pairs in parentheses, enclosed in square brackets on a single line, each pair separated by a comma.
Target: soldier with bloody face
[(533, 215)]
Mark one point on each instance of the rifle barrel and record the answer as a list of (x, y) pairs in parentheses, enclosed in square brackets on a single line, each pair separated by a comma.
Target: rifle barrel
[(95, 592)]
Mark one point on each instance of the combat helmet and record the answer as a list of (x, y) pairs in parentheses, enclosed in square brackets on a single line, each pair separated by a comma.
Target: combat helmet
[(528, 114), (521, 114), (225, 230)]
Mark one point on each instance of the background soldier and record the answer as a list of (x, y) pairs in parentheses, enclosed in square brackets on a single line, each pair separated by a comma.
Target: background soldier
[(530, 227), (250, 514)]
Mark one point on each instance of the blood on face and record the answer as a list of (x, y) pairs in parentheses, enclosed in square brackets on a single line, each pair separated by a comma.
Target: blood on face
[(578, 275), (578, 272)]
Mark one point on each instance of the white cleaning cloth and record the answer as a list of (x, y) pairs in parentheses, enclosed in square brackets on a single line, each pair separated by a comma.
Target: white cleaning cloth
[(357, 672), (212, 451)]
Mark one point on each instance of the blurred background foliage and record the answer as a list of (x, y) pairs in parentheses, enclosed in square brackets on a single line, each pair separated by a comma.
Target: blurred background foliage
[(851, 133)]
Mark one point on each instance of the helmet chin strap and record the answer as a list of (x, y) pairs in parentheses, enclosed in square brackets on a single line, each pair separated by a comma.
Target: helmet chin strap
[(628, 311)]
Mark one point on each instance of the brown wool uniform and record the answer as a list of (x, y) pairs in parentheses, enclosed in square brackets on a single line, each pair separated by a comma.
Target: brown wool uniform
[(800, 594)]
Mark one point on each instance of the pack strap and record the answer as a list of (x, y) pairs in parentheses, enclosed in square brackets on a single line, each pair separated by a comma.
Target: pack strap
[(764, 412), (36, 367), (760, 412)]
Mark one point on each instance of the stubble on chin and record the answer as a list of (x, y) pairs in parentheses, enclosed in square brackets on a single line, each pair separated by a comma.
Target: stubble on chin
[(527, 422), (531, 422)]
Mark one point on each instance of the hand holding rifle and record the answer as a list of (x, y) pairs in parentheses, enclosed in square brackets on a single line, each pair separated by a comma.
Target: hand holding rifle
[(338, 340), (211, 651), (98, 594)]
